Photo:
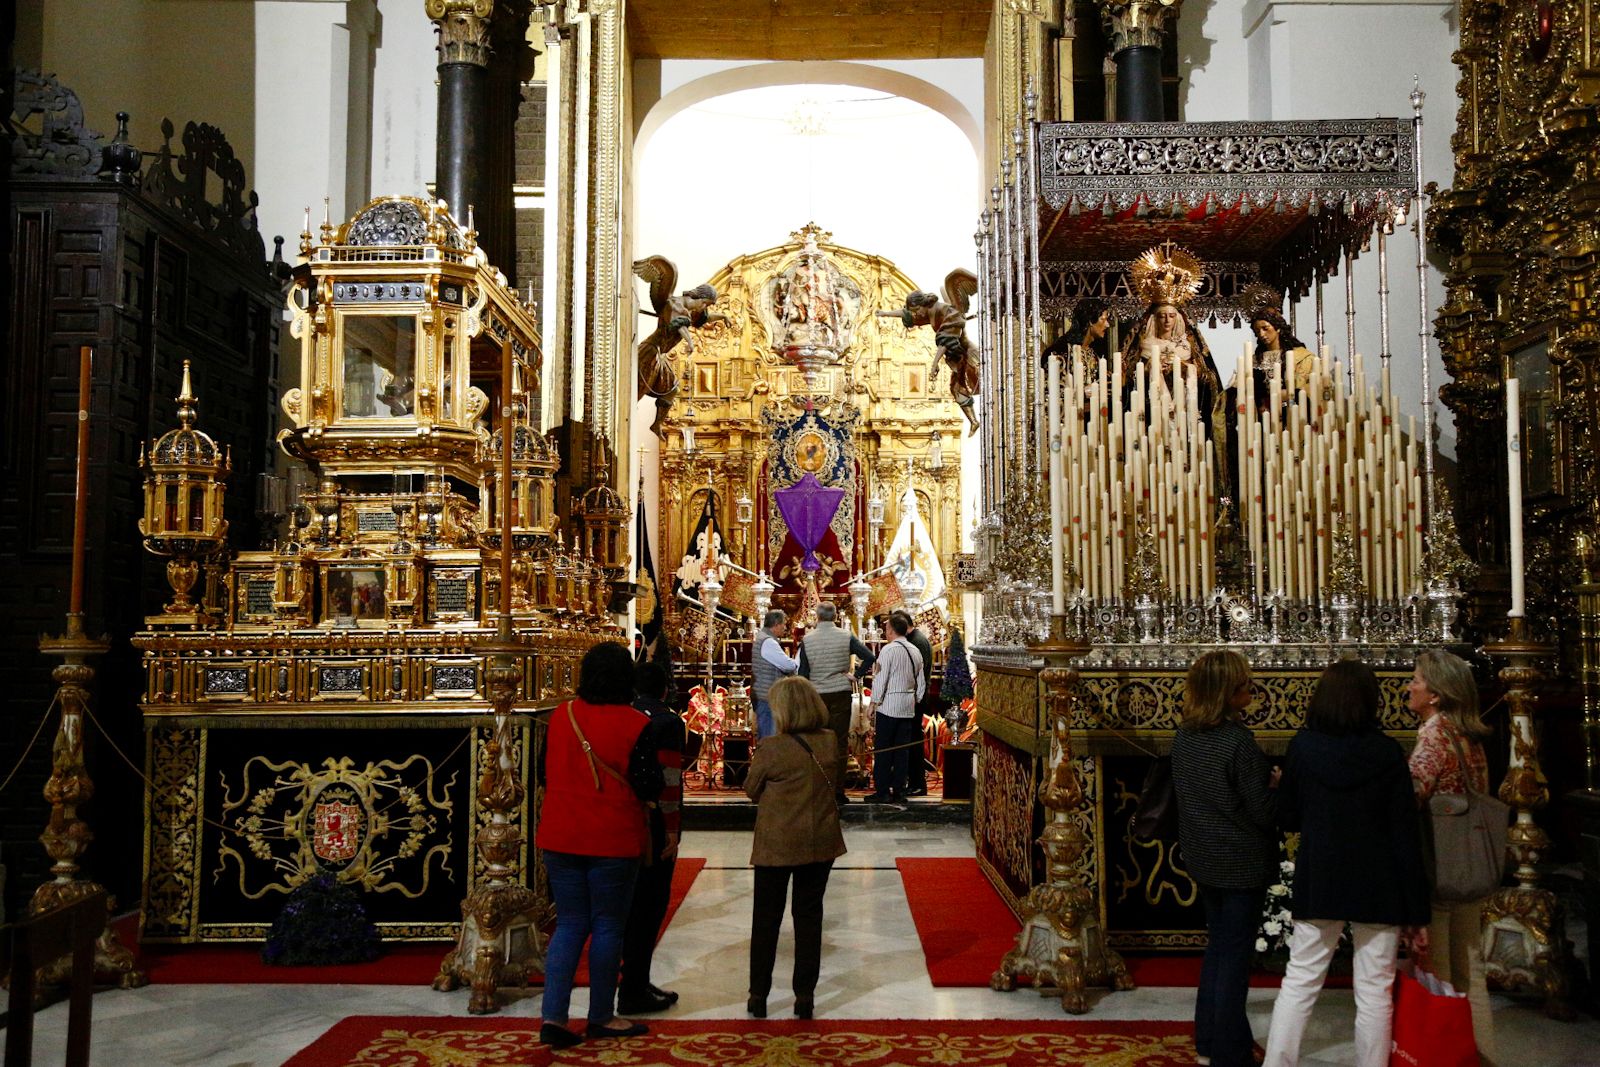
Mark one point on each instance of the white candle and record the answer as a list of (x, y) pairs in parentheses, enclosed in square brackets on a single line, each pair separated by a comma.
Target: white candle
[(1058, 595), (1514, 480)]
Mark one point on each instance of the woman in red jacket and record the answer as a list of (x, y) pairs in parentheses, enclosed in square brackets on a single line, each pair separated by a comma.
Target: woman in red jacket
[(599, 769)]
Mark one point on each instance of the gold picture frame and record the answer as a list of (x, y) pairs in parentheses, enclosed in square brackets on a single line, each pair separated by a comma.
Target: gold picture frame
[(354, 595)]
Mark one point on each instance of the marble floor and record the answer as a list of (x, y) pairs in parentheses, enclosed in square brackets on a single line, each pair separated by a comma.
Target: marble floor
[(872, 968)]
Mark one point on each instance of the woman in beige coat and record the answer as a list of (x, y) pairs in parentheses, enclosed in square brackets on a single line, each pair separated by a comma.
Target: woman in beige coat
[(797, 835)]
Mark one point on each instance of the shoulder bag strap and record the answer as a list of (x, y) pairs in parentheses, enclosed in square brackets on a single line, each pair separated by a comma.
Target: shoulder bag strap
[(812, 753), (1461, 761), (596, 764)]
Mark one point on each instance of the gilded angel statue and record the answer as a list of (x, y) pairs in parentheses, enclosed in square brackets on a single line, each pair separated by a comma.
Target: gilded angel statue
[(948, 317), (676, 315)]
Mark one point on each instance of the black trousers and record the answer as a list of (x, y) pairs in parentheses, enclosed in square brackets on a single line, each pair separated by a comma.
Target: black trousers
[(772, 886), (838, 705), (916, 758), (650, 895)]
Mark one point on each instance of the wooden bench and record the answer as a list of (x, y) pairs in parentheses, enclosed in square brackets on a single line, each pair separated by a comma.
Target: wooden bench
[(71, 929)]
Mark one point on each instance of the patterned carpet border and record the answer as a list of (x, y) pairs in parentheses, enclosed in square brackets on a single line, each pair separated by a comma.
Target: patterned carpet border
[(424, 1041)]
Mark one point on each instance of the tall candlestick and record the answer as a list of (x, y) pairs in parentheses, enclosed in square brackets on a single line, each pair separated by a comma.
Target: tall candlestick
[(1514, 480), (80, 491)]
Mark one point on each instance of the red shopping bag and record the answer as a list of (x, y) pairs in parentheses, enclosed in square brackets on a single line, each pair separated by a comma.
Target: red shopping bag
[(1432, 1022)]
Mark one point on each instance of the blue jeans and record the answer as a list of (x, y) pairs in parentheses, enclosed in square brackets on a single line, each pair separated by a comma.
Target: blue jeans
[(764, 726), (1221, 1027), (592, 896)]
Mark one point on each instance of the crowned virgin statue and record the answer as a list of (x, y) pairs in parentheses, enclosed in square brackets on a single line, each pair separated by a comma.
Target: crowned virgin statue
[(1168, 277)]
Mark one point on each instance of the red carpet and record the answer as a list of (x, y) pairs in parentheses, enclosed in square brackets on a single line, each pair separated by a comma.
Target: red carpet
[(965, 930), (413, 1041), (405, 963)]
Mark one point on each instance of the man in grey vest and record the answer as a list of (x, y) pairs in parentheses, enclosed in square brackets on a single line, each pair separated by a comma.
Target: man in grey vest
[(825, 659), (768, 663)]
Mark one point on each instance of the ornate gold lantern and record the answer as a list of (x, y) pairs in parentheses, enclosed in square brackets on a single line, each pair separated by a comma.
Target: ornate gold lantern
[(185, 475)]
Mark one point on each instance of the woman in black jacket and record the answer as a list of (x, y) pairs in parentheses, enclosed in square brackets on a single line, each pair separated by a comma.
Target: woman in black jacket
[(1228, 832), (1347, 789)]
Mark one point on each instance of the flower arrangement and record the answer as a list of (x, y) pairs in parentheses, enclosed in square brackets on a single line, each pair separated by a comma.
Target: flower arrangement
[(322, 922), (1277, 919)]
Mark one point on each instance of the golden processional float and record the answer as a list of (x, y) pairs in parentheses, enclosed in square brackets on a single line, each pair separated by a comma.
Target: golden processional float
[(1139, 509), (324, 706)]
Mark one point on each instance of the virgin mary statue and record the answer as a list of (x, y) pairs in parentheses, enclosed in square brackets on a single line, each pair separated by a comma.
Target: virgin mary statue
[(1168, 277)]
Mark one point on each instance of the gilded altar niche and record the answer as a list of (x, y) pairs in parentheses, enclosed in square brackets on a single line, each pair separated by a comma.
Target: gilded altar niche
[(803, 376), (1520, 228)]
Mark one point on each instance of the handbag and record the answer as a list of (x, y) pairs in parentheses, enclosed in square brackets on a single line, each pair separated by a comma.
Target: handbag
[(1156, 815), (1469, 840), (1432, 1022)]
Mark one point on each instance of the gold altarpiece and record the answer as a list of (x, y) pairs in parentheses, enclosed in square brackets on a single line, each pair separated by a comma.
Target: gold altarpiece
[(906, 428), (1521, 227)]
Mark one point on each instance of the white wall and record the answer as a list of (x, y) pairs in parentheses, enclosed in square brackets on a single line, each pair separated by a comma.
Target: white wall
[(405, 101), (1323, 59)]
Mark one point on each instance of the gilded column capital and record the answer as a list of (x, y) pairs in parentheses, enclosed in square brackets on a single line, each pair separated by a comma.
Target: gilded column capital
[(1137, 23), (464, 29)]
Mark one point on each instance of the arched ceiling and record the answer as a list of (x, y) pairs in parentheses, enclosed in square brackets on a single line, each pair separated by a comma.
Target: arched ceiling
[(808, 29)]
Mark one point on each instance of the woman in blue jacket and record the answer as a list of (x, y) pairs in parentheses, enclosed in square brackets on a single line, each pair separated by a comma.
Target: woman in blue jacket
[(1347, 789)]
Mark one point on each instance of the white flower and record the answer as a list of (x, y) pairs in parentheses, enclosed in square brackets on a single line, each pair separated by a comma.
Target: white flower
[(1273, 927), (1279, 890), (1261, 944)]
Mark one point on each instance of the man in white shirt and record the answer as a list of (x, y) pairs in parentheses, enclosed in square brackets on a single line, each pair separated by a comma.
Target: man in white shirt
[(768, 663), (899, 680)]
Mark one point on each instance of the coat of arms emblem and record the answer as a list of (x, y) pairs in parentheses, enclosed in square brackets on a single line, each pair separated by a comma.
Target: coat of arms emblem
[(338, 826)]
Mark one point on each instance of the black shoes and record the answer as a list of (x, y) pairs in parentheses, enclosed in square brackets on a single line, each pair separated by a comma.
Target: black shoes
[(557, 1036), (802, 1007), (669, 994), (841, 799), (651, 1000), (890, 797), (619, 1028), (920, 791), (757, 1006)]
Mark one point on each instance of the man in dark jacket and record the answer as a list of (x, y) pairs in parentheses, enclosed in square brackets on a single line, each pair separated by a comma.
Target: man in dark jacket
[(651, 893)]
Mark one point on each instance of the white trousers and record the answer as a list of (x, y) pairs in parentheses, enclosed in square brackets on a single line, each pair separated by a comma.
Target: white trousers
[(1311, 948)]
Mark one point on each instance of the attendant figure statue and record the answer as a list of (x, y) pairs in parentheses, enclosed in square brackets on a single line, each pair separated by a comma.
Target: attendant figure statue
[(948, 317), (1089, 330), (676, 315), (1273, 339)]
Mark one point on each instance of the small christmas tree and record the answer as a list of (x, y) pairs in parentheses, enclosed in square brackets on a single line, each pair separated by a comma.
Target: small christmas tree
[(957, 685)]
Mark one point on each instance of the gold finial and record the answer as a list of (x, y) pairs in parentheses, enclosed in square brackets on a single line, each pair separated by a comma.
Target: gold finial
[(185, 399), (327, 221), (305, 234)]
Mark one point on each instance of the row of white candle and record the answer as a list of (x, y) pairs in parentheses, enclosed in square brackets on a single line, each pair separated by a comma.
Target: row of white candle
[(1327, 450), (1323, 451), (1151, 464)]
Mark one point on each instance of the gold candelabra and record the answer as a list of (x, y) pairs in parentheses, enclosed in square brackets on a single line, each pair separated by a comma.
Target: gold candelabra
[(1062, 944), (66, 837), (1524, 926)]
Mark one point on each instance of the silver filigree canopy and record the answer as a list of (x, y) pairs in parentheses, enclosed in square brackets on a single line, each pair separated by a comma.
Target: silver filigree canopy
[(397, 222)]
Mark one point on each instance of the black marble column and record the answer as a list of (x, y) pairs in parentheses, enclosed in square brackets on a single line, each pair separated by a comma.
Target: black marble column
[(463, 106), (1139, 84)]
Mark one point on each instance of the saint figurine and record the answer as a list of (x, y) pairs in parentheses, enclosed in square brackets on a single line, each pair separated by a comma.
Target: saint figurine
[(676, 314), (948, 317), (1273, 339), (1089, 330)]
